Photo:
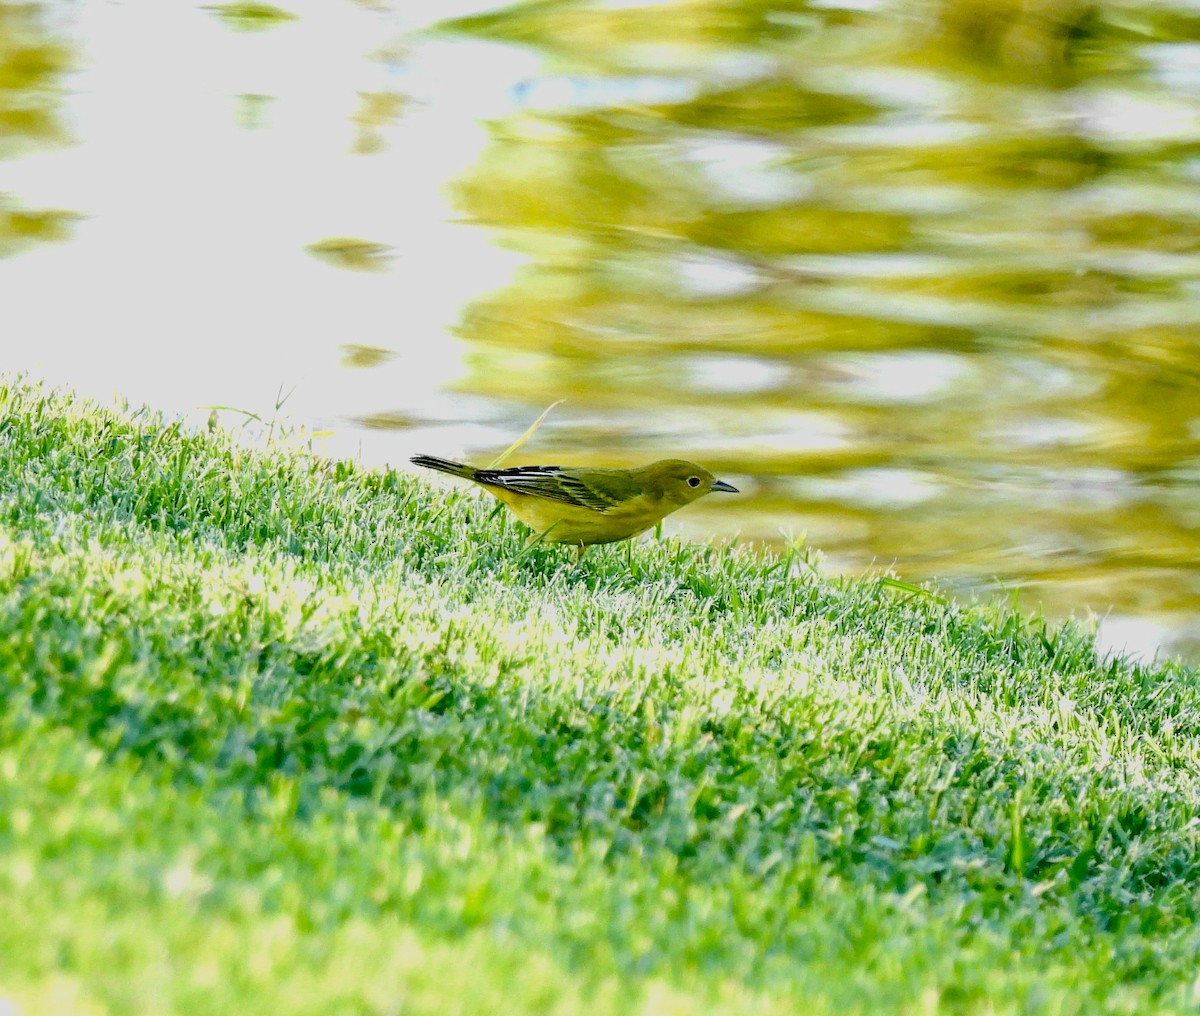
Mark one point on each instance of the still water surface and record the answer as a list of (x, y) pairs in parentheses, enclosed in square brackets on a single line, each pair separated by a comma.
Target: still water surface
[(922, 277)]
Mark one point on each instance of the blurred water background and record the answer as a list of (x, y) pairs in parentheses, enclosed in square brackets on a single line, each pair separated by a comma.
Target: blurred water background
[(919, 276)]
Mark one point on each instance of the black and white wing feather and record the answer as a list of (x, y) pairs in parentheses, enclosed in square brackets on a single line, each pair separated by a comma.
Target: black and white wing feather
[(582, 488)]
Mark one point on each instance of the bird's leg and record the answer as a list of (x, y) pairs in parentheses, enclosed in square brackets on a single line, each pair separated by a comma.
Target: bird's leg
[(579, 552)]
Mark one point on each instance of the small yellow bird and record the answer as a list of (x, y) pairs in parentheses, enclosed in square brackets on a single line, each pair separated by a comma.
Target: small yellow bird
[(582, 505)]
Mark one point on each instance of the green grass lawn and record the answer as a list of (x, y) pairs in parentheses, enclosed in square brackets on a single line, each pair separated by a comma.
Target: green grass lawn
[(286, 735)]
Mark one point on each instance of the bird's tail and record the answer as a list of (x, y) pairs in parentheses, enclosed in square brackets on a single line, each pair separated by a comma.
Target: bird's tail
[(445, 466)]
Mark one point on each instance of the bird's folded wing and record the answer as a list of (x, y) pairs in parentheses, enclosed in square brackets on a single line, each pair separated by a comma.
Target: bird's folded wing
[(594, 489)]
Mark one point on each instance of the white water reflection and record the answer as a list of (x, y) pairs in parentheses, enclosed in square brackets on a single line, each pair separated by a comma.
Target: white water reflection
[(188, 284)]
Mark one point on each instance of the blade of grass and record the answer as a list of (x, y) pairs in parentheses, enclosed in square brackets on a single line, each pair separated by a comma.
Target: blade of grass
[(537, 538), (499, 460), (908, 587)]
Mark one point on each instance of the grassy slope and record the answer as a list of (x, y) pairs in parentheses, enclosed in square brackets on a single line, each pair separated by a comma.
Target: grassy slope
[(285, 735)]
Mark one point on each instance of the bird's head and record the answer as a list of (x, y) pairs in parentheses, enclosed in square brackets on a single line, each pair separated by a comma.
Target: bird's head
[(683, 482)]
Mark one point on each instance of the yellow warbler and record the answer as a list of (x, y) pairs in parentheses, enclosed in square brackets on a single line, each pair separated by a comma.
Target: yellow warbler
[(582, 505)]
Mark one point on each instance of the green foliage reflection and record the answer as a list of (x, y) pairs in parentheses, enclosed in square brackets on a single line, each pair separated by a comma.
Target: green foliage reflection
[(926, 270)]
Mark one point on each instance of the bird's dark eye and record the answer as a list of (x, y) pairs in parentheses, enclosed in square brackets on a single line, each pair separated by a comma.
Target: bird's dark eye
[(693, 481)]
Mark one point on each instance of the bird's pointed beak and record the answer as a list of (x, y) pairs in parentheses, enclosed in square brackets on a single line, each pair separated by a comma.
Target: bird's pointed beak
[(721, 485)]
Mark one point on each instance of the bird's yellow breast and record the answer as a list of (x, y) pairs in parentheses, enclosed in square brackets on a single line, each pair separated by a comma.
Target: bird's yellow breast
[(565, 523)]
